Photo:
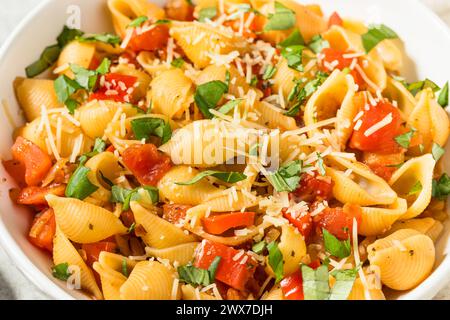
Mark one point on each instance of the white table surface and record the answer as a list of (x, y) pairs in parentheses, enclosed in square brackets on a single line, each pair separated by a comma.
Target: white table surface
[(13, 285)]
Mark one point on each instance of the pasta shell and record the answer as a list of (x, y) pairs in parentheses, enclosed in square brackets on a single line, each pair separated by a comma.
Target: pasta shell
[(374, 290), (293, 248), (83, 222), (363, 188), (143, 79), (405, 258), (32, 94), (375, 220), (428, 226), (64, 252), (149, 280), (111, 281), (78, 53), (415, 170), (189, 293), (160, 233), (283, 80), (395, 91), (273, 118), (182, 253)]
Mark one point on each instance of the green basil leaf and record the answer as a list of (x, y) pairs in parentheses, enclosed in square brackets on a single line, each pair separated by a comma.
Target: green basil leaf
[(344, 283), (194, 276), (276, 261), (61, 271), (230, 105), (107, 38), (178, 63), (443, 96), (336, 247), (315, 283), (68, 35), (125, 196), (283, 19), (293, 56), (269, 72), (230, 177), (415, 189), (213, 268), (124, 267), (208, 95), (65, 87), (103, 68), (320, 163), (437, 151), (207, 13), (375, 35), (287, 177), (418, 86), (79, 186), (293, 111), (138, 22), (404, 140), (294, 39), (441, 187), (143, 128), (84, 77), (318, 43), (259, 247)]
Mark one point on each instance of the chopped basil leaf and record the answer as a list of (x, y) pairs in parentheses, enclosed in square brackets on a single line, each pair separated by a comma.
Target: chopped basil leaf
[(322, 170), (418, 86), (79, 186), (294, 39), (293, 111), (125, 196), (87, 79), (293, 56), (276, 261), (287, 177), (208, 95), (415, 189), (230, 105), (230, 177), (103, 68), (99, 147), (194, 276), (375, 35), (61, 271), (259, 247), (132, 228), (437, 151), (64, 88), (315, 283), (107, 38), (269, 72), (177, 63), (162, 21), (443, 96), (336, 247), (318, 43), (283, 18), (124, 267), (344, 283), (404, 140), (441, 187), (207, 13), (213, 268), (254, 81), (138, 22), (143, 128)]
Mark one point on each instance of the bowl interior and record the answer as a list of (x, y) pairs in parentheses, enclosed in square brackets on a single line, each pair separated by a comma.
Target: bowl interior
[(426, 42)]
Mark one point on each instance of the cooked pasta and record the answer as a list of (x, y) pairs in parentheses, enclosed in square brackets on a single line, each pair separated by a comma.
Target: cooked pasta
[(232, 149)]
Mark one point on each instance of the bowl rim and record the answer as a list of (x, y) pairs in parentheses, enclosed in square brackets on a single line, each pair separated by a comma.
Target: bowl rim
[(429, 287)]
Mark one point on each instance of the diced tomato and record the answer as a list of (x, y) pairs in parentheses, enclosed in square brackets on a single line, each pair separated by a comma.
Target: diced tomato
[(315, 264), (146, 163), (292, 286), (116, 88), (154, 39), (127, 218), (36, 162), (338, 221), (303, 222), (219, 223), (36, 195), (313, 188), (335, 20), (229, 271), (43, 230), (95, 63), (383, 165), (331, 55), (16, 170), (111, 149), (381, 141), (174, 213), (93, 250)]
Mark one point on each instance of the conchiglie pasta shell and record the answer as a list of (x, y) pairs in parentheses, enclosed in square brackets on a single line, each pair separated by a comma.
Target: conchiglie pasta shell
[(65, 252), (190, 195), (405, 258), (404, 179), (160, 233), (125, 11), (115, 261), (188, 293), (149, 280), (33, 93), (375, 220), (364, 188), (111, 281), (172, 93), (213, 41), (358, 292), (274, 119), (430, 120), (182, 253), (427, 226), (293, 248), (79, 53), (83, 222), (334, 98), (143, 79), (395, 91), (284, 78)]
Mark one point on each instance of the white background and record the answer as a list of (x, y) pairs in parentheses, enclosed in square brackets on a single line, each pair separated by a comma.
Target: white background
[(13, 285)]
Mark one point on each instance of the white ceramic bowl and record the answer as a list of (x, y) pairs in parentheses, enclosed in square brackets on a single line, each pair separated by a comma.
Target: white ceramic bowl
[(426, 40)]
